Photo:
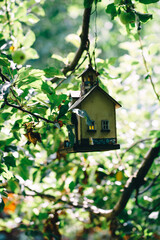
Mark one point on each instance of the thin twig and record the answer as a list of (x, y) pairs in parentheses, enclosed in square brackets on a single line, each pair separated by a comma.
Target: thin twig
[(64, 79), (4, 77), (150, 185), (133, 145), (134, 182), (144, 208), (20, 107), (146, 67), (26, 111), (137, 203)]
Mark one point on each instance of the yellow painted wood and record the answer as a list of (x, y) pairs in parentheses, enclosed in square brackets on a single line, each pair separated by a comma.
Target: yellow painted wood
[(79, 129), (98, 107)]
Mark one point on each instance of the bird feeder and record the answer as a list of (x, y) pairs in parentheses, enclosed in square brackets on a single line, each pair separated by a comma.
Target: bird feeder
[(97, 106)]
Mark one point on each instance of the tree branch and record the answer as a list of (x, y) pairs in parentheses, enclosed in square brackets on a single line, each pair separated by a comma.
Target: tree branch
[(145, 208), (150, 185), (146, 67), (26, 111), (133, 145), (84, 42), (134, 182), (3, 77)]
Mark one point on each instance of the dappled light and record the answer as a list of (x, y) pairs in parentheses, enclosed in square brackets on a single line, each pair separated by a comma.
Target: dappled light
[(79, 120)]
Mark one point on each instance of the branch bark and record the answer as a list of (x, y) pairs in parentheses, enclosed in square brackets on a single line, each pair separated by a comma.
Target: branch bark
[(135, 181), (26, 111), (84, 42)]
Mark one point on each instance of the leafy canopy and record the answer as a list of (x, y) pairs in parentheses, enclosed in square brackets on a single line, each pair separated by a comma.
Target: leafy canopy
[(53, 194)]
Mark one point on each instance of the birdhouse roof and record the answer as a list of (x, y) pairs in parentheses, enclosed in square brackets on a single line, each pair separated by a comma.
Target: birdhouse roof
[(82, 98), (89, 69)]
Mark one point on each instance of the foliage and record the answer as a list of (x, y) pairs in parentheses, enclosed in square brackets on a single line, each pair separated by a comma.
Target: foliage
[(46, 193)]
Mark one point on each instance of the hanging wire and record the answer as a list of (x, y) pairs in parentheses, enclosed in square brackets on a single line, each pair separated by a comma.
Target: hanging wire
[(79, 65), (95, 36), (87, 55)]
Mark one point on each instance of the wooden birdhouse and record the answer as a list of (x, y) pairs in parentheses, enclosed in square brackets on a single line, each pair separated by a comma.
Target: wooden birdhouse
[(97, 106), (89, 79)]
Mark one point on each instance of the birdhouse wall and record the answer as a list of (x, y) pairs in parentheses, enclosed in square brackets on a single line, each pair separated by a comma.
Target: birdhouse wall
[(90, 77), (99, 108)]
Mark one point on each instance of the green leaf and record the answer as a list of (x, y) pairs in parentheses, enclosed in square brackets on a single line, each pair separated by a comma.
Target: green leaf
[(1, 204), (71, 186), (53, 72), (29, 19), (17, 125), (59, 58), (112, 60), (4, 62), (26, 162), (63, 111), (148, 1), (47, 89), (111, 9), (13, 184), (87, 3), (10, 161), (38, 10), (28, 76), (4, 193), (144, 17), (21, 12), (10, 148), (4, 116), (29, 39), (74, 39), (155, 133), (23, 172), (2, 144), (16, 135), (31, 53), (2, 166)]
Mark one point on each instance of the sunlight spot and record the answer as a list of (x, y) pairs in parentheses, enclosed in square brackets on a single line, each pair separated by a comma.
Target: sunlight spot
[(85, 205), (154, 215), (15, 154), (109, 182), (38, 155), (115, 161), (155, 123), (64, 198), (74, 11), (36, 211), (18, 220), (118, 183), (142, 145), (89, 191), (129, 212), (132, 125), (105, 198), (45, 205), (108, 25), (146, 198)]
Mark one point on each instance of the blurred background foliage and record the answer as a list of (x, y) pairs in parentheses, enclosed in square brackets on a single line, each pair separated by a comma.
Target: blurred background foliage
[(48, 195)]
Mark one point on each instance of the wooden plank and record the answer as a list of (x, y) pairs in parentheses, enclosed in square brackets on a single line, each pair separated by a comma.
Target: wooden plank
[(90, 148)]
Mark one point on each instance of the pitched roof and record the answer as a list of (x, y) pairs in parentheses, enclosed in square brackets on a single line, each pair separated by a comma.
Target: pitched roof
[(87, 70), (80, 100)]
